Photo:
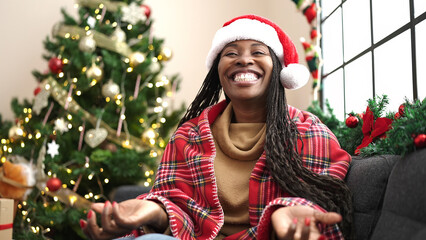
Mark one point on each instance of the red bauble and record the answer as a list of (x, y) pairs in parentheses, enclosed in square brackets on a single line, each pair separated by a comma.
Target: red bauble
[(401, 110), (420, 141), (147, 10), (352, 121), (37, 91), (397, 115), (54, 184), (55, 65)]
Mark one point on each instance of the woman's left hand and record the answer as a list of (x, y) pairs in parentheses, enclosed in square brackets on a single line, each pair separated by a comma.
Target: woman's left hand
[(300, 222)]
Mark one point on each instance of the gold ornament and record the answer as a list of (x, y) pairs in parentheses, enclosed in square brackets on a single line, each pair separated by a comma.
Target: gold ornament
[(165, 54), (136, 58), (87, 44), (95, 73), (16, 132), (110, 89)]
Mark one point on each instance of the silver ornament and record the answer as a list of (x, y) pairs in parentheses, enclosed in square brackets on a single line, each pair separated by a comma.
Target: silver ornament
[(110, 89), (118, 35), (87, 44), (94, 137)]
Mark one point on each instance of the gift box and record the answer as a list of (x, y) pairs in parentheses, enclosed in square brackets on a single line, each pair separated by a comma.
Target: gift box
[(6, 218)]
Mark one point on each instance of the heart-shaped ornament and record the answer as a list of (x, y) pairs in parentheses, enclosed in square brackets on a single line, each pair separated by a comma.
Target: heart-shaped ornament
[(94, 137)]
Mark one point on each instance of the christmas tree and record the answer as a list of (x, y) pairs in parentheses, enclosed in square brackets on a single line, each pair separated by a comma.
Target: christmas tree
[(100, 118)]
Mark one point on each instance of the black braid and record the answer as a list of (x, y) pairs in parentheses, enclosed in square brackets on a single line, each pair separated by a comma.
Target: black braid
[(282, 158), (286, 166)]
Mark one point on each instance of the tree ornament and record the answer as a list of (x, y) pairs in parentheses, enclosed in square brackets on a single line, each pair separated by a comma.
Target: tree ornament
[(53, 149), (420, 140), (37, 91), (95, 72), (94, 137), (110, 89), (109, 146), (397, 115), (87, 44), (56, 65), (133, 13), (352, 121), (16, 132), (61, 125), (147, 10), (40, 100), (401, 110), (154, 66), (54, 184), (118, 35), (136, 58), (165, 54)]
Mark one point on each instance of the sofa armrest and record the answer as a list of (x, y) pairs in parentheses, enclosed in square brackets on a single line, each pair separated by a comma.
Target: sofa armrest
[(367, 179)]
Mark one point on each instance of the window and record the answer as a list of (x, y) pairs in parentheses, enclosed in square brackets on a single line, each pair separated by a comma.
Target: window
[(371, 48)]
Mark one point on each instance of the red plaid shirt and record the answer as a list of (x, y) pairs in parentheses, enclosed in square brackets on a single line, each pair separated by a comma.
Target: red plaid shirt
[(185, 183)]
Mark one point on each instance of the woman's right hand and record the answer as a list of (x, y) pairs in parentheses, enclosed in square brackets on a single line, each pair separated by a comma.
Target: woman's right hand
[(119, 219)]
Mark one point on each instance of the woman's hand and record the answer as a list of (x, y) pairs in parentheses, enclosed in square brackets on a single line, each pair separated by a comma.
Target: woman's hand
[(118, 219), (299, 222)]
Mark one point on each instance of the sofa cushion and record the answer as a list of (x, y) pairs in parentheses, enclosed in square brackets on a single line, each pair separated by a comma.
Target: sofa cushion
[(404, 212), (367, 179)]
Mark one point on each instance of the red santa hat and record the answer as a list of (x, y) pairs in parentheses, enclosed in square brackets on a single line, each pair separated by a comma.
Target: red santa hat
[(293, 75)]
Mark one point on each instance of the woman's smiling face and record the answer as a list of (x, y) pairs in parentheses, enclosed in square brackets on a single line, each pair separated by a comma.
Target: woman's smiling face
[(245, 69)]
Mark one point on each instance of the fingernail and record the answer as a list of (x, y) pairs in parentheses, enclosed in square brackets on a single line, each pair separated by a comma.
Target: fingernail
[(322, 237), (89, 215), (307, 221), (82, 223), (114, 204), (295, 221), (107, 203)]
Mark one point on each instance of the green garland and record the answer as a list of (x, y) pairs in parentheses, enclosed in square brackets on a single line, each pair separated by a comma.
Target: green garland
[(399, 138)]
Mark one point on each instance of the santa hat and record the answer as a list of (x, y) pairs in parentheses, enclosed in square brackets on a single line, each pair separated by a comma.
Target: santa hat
[(293, 75)]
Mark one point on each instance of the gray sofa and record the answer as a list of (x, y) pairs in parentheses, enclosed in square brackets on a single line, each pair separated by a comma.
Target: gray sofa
[(389, 193)]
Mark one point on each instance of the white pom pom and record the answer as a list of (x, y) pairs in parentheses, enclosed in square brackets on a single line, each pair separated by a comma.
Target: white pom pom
[(294, 76)]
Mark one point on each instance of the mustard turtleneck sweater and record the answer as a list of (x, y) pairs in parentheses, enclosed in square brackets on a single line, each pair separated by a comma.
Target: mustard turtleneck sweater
[(238, 147)]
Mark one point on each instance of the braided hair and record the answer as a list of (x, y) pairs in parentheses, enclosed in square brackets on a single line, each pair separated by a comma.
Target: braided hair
[(282, 159)]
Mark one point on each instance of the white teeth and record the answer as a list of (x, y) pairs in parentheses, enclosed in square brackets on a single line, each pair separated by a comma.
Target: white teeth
[(245, 77)]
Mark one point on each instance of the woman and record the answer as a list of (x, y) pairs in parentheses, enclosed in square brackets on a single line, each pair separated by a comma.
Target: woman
[(248, 167)]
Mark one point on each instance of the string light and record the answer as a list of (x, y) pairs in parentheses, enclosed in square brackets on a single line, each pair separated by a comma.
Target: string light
[(150, 85), (129, 27), (55, 198), (114, 24), (61, 75), (162, 120), (106, 180), (72, 199), (90, 177), (78, 93), (129, 69)]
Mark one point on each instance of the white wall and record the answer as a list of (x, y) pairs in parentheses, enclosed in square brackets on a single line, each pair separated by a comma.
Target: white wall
[(186, 25)]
